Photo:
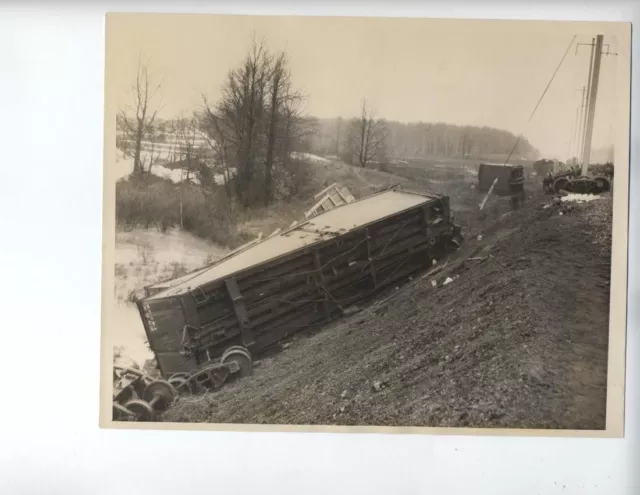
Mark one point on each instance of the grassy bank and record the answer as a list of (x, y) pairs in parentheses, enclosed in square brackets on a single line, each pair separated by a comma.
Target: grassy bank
[(211, 213)]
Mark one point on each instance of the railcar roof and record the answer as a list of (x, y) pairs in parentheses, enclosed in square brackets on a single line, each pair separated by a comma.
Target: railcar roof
[(330, 224)]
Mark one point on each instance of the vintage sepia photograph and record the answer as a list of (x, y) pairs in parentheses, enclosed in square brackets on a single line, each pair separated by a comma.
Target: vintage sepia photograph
[(365, 224)]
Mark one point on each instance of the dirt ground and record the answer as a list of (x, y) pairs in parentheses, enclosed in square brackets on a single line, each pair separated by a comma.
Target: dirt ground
[(517, 339)]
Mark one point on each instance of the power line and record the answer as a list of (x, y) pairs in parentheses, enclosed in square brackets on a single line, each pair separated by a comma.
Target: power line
[(542, 97)]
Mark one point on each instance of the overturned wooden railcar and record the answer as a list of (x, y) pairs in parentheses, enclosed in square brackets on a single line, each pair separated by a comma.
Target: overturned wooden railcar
[(304, 276), (510, 178)]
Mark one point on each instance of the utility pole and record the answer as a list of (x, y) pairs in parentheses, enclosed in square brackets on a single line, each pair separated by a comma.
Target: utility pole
[(583, 105), (574, 135), (588, 96), (593, 94)]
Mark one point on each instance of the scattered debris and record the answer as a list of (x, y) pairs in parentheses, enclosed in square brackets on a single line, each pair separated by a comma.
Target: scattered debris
[(332, 196), (579, 198), (447, 281), (139, 397)]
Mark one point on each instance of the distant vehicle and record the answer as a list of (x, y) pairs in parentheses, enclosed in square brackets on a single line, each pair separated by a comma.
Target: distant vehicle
[(543, 167), (510, 181)]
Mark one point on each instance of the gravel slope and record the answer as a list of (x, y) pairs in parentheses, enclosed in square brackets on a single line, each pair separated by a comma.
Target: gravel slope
[(518, 339)]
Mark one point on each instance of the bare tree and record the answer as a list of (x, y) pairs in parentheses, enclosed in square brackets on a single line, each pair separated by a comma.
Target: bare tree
[(285, 121), (295, 127), (338, 129), (185, 131), (137, 120), (277, 85), (367, 136), (255, 125), (151, 157), (240, 117), (215, 137)]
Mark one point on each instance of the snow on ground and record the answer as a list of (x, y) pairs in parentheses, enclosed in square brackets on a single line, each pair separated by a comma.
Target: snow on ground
[(309, 157), (124, 166), (143, 257), (579, 198), (175, 175)]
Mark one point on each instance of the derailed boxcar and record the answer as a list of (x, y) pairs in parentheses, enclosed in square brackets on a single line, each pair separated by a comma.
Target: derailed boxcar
[(234, 309), (509, 180)]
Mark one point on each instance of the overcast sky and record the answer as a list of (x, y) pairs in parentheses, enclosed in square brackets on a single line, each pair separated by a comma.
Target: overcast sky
[(462, 72)]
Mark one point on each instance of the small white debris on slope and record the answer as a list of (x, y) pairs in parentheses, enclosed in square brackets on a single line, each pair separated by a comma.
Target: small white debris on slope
[(579, 198)]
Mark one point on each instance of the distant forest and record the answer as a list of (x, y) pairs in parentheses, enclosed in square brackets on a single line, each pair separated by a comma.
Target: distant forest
[(424, 140), (403, 140)]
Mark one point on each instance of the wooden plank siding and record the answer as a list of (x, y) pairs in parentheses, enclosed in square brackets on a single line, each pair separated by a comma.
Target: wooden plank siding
[(314, 283)]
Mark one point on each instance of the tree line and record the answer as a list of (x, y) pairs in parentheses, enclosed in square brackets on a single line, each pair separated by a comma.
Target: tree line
[(367, 140)]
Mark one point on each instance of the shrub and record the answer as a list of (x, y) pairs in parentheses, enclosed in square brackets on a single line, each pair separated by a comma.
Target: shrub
[(159, 203)]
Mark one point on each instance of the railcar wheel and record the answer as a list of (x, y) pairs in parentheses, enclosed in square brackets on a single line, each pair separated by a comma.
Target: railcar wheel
[(121, 413), (180, 374), (602, 184), (239, 356), (141, 410), (159, 394), (237, 348), (208, 379), (181, 385)]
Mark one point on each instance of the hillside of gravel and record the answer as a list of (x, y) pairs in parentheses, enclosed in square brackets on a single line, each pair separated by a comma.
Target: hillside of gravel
[(517, 337)]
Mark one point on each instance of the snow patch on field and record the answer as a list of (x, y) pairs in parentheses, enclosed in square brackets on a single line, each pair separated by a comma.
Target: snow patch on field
[(175, 175), (143, 257), (124, 167), (309, 157)]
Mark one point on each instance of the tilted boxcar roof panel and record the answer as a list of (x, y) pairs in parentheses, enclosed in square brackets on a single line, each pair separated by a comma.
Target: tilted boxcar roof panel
[(164, 284), (322, 227)]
